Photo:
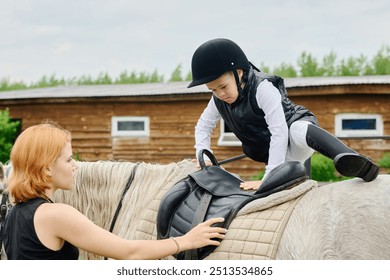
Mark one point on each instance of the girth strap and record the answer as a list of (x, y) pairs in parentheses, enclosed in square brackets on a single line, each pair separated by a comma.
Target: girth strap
[(199, 217)]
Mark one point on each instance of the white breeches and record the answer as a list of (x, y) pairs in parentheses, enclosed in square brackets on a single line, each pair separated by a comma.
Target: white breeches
[(298, 150)]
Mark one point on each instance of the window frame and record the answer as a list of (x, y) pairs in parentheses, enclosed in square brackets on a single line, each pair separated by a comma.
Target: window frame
[(340, 132), (223, 135), (130, 133)]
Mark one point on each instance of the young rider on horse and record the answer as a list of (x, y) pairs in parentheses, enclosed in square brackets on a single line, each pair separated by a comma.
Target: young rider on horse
[(256, 109)]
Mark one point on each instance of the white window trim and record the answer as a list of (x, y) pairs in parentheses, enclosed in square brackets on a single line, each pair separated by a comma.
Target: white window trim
[(358, 133), (223, 135), (129, 133)]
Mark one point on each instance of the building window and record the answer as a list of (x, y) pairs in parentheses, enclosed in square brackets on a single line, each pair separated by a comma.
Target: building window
[(130, 126), (227, 137), (358, 125)]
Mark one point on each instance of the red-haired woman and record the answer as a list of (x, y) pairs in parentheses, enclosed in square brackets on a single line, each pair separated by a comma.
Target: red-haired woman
[(38, 228)]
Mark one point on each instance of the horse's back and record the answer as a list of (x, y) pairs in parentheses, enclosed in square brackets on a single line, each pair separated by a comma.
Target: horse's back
[(344, 220)]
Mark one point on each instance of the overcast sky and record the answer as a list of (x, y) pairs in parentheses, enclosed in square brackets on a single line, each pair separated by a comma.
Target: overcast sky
[(70, 38)]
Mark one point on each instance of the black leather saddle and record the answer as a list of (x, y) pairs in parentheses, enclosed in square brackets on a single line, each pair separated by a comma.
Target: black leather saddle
[(214, 192)]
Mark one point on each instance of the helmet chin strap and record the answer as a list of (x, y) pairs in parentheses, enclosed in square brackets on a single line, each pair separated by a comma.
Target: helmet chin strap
[(238, 82)]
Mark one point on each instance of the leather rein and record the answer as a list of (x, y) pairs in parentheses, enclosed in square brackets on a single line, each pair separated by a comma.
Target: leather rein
[(119, 207)]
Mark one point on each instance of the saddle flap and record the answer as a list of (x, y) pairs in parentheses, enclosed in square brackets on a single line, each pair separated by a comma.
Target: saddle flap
[(218, 182), (168, 206), (283, 176)]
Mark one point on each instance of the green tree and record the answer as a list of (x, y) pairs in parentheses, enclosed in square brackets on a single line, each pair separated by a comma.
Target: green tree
[(384, 162), (285, 70), (5, 84), (264, 68), (329, 67), (322, 169), (83, 80), (103, 79), (176, 75), (8, 130), (353, 66), (381, 61), (308, 66), (156, 78), (189, 76), (134, 78)]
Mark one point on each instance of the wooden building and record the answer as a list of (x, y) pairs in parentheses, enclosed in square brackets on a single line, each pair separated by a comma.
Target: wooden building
[(155, 122)]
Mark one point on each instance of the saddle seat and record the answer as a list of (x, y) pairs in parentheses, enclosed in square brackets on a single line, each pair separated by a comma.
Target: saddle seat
[(214, 192)]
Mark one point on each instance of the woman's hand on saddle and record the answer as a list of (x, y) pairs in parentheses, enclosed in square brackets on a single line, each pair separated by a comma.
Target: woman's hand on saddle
[(251, 185), (202, 235)]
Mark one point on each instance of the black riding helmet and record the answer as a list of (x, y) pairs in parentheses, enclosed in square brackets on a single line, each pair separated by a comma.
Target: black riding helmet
[(214, 58)]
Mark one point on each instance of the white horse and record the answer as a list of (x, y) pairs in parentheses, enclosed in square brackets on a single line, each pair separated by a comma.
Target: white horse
[(344, 220)]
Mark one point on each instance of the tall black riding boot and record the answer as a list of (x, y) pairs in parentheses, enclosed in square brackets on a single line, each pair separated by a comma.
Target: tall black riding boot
[(347, 161)]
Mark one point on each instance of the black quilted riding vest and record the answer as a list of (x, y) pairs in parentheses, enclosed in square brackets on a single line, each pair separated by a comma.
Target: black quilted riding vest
[(246, 120)]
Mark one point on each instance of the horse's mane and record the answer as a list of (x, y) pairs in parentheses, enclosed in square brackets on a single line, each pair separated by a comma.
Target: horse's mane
[(99, 187)]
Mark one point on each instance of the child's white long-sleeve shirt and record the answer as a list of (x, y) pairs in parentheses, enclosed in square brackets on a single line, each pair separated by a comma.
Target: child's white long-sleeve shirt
[(269, 100)]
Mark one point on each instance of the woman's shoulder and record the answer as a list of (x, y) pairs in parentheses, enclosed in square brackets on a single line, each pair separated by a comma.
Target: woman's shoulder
[(55, 211)]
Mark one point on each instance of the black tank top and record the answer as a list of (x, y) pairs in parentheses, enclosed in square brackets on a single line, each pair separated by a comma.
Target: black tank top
[(21, 241)]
